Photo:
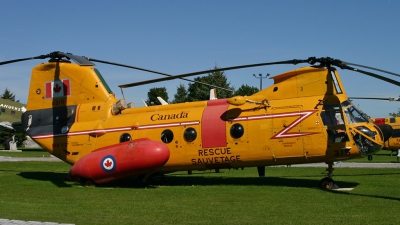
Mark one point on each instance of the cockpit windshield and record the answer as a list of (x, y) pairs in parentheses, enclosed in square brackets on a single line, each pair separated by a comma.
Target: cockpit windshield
[(353, 114)]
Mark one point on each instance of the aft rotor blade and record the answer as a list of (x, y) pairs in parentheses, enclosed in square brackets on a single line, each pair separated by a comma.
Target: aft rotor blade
[(55, 55), (80, 60), (152, 71), (372, 68), (295, 61), (23, 59), (127, 66)]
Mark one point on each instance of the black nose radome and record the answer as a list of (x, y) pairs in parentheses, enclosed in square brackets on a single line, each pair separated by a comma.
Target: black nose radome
[(387, 131)]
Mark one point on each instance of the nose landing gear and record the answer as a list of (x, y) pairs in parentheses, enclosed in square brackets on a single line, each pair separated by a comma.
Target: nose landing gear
[(327, 183)]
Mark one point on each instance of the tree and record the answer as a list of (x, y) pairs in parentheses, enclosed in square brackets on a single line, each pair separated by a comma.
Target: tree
[(245, 90), (198, 91), (4, 135), (8, 95), (181, 94), (395, 114), (154, 93)]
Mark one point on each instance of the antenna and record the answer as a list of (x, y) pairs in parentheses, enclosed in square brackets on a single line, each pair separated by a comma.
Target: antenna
[(260, 77)]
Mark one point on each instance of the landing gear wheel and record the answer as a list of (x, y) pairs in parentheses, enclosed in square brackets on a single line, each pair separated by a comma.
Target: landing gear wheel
[(88, 183), (370, 158), (327, 183)]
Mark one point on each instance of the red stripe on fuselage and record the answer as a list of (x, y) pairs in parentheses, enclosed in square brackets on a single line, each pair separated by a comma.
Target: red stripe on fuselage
[(49, 90), (213, 127)]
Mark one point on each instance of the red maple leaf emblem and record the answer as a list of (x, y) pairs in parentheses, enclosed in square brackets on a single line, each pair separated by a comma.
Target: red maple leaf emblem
[(108, 163), (57, 88)]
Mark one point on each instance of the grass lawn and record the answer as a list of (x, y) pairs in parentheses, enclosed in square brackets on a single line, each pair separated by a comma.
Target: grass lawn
[(26, 152), (380, 157), (288, 195)]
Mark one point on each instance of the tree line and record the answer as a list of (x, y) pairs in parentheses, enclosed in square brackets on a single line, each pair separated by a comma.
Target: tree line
[(199, 91), (5, 135)]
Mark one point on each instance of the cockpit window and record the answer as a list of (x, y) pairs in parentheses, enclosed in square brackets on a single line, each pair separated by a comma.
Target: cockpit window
[(333, 120), (353, 114), (336, 83), (331, 115)]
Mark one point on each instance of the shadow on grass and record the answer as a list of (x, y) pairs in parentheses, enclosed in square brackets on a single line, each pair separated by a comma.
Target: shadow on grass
[(188, 180), (267, 181), (337, 176), (363, 195), (184, 180), (56, 178)]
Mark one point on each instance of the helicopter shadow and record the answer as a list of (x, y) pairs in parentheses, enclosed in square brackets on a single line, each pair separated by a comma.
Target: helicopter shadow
[(177, 180), (182, 180), (267, 181), (56, 178), (189, 180)]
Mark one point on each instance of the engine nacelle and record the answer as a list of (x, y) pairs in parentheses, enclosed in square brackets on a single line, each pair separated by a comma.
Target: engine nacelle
[(122, 160)]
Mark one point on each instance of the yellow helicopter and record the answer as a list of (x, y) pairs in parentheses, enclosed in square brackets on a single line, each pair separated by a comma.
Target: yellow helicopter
[(304, 117)]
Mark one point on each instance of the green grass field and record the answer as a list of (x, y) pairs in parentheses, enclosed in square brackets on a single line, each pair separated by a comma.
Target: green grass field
[(380, 157), (36, 191)]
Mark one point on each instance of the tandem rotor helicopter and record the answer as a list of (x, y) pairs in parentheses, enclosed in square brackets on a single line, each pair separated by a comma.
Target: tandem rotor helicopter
[(304, 117)]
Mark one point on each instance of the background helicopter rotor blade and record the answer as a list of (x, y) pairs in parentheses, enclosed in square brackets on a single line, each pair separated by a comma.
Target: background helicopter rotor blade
[(294, 61), (152, 71)]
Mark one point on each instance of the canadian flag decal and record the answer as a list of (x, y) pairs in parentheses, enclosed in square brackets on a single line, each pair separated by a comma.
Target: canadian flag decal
[(57, 89)]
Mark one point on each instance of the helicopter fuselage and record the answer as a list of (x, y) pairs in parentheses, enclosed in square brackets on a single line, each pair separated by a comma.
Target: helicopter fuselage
[(72, 113)]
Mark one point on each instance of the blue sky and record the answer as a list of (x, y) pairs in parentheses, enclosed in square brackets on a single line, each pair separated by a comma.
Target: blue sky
[(178, 37)]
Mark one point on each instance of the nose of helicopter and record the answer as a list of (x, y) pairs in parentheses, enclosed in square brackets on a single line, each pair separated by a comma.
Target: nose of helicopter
[(369, 139)]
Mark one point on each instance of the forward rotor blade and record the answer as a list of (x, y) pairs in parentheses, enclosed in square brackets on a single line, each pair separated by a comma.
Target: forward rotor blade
[(371, 68), (372, 75), (386, 99), (295, 61), (152, 71)]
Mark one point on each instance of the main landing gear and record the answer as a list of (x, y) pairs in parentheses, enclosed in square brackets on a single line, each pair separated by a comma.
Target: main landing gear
[(261, 171), (327, 183), (87, 183)]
